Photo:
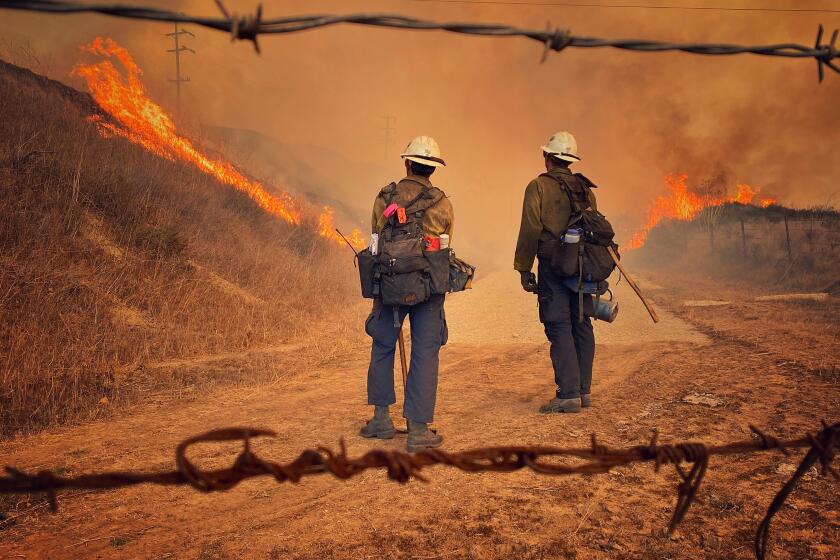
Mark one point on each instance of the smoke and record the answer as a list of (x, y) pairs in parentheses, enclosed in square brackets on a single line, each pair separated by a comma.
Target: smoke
[(490, 104)]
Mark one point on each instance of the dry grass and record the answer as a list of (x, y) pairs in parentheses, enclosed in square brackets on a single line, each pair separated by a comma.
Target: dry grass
[(112, 258)]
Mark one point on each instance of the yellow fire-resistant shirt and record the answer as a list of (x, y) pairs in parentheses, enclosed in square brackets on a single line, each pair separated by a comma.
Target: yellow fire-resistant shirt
[(437, 220), (545, 215)]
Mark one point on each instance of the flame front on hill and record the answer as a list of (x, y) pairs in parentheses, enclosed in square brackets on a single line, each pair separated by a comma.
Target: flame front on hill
[(144, 122), (684, 205)]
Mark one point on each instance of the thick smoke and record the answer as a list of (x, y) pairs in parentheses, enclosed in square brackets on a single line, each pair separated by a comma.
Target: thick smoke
[(637, 116)]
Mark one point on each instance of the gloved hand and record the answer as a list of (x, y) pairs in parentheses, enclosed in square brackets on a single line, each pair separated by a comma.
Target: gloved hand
[(529, 281)]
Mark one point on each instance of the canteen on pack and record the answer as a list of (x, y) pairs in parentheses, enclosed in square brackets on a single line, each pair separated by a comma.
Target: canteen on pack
[(605, 309)]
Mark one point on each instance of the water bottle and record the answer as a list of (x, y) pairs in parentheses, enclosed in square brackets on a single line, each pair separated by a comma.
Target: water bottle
[(567, 254), (572, 236), (444, 241), (374, 243)]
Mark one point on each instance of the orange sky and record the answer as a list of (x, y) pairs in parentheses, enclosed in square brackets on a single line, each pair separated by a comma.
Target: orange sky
[(637, 116)]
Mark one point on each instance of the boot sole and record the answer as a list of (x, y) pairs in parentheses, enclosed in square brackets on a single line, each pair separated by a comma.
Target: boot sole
[(560, 411), (380, 435), (416, 448)]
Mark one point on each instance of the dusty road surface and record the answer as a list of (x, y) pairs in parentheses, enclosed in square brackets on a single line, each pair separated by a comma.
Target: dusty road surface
[(704, 373)]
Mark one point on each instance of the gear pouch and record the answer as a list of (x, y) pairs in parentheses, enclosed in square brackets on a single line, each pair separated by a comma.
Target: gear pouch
[(406, 248), (439, 270), (405, 289), (564, 259), (460, 275), (367, 269)]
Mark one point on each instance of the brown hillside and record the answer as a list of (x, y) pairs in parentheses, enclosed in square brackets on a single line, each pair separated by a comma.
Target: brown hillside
[(114, 262)]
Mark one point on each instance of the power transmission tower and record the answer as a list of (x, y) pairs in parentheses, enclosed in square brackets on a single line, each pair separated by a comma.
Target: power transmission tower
[(390, 128), (179, 48)]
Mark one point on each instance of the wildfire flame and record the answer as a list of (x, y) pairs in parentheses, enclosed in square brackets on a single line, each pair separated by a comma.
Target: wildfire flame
[(145, 123), (326, 228), (684, 205)]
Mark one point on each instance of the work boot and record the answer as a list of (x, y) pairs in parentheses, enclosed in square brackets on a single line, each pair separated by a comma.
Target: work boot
[(380, 426), (561, 405), (585, 400), (421, 437)]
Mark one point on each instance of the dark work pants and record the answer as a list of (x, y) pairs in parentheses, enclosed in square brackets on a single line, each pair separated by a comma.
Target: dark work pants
[(572, 342), (428, 334)]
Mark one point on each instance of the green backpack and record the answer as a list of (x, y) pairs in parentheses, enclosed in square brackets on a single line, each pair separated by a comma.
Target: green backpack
[(403, 272), (589, 260)]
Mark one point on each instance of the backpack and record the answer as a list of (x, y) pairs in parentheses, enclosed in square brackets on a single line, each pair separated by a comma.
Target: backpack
[(403, 272), (589, 260)]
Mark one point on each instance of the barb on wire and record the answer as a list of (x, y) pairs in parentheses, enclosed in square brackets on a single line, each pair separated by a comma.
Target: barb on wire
[(402, 467), (250, 27)]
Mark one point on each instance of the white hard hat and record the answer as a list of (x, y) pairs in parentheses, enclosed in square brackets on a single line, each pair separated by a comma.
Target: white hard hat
[(423, 150), (563, 146)]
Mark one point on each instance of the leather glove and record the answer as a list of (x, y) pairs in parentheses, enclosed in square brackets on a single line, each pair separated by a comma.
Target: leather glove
[(529, 281)]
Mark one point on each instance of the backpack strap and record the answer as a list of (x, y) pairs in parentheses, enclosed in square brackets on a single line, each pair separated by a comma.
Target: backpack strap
[(587, 185), (388, 192), (576, 211), (409, 208), (427, 198), (586, 181)]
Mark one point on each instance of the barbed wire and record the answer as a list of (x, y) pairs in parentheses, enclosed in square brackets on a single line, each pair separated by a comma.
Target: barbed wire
[(249, 27), (601, 5), (403, 467)]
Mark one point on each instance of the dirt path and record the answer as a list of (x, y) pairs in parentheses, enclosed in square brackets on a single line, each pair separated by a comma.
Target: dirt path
[(495, 373)]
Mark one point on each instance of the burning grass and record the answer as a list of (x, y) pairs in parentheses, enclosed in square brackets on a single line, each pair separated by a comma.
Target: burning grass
[(137, 118), (683, 204), (112, 257), (772, 247)]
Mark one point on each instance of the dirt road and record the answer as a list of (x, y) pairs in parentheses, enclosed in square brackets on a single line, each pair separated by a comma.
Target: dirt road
[(495, 373)]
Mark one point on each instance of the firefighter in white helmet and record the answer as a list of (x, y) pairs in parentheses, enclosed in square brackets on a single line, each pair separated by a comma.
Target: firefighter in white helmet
[(409, 217), (546, 214)]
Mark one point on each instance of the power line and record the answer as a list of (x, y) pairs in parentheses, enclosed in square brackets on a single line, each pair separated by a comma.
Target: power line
[(178, 50), (635, 6), (249, 27)]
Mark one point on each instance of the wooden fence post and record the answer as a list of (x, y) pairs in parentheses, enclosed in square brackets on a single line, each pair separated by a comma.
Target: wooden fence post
[(743, 239), (787, 240)]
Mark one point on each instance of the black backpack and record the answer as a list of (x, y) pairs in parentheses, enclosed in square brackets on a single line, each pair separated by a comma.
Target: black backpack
[(403, 272), (589, 260)]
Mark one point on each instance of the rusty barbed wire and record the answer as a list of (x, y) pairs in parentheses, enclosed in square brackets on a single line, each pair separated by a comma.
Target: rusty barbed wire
[(402, 467), (249, 27)]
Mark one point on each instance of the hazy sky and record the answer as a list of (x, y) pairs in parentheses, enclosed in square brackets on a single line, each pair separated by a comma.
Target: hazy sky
[(637, 116)]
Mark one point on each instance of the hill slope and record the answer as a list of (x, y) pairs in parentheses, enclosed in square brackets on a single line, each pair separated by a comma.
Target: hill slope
[(114, 261)]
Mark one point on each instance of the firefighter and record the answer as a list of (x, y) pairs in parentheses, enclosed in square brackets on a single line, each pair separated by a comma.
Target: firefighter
[(428, 323), (546, 213)]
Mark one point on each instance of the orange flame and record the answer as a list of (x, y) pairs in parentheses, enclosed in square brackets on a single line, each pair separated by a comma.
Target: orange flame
[(684, 205), (145, 123), (326, 228)]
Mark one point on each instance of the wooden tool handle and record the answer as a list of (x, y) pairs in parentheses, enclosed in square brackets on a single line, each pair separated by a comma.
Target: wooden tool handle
[(635, 287), (402, 357)]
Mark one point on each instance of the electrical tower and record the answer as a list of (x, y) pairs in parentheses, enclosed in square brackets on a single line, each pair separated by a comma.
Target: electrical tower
[(390, 128), (179, 48)]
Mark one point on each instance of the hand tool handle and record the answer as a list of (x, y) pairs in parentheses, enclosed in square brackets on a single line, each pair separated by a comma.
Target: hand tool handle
[(402, 357), (635, 287)]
